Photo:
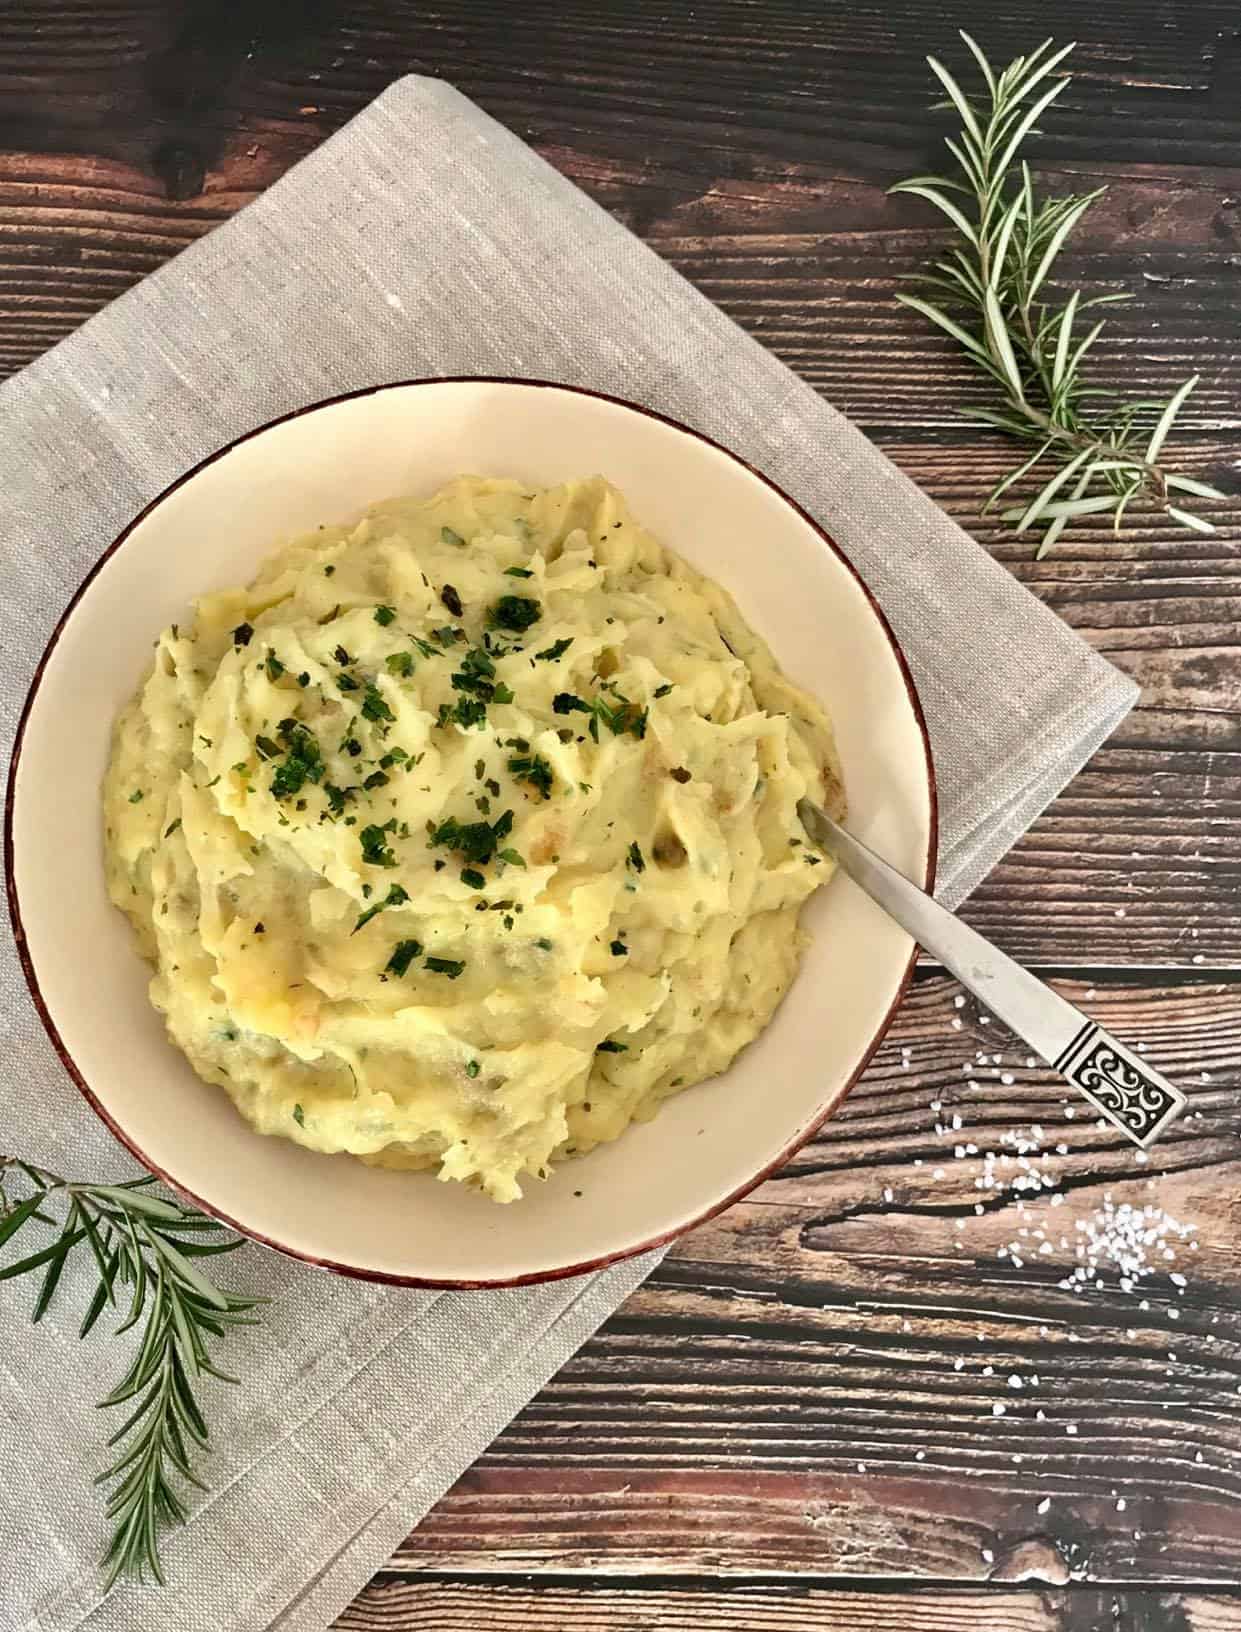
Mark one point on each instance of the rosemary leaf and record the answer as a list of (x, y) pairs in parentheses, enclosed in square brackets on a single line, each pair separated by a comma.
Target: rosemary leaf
[(990, 297), (138, 1240)]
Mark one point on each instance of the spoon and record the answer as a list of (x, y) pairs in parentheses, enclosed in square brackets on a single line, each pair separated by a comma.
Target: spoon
[(1118, 1083)]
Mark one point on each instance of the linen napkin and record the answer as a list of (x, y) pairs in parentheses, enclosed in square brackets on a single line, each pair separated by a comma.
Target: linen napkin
[(422, 239)]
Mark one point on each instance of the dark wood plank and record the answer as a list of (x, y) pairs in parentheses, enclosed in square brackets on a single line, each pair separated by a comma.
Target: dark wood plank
[(391, 1602), (820, 1380)]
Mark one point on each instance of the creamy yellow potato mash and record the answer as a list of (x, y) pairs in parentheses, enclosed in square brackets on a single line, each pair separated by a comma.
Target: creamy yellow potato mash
[(467, 833)]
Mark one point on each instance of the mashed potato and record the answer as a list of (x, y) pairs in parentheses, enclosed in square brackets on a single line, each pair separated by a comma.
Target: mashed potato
[(466, 834)]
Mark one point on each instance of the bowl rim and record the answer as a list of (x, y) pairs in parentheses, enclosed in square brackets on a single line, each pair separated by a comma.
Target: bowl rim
[(353, 1271)]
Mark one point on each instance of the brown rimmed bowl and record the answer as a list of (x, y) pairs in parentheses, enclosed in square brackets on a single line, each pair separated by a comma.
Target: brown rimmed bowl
[(209, 530)]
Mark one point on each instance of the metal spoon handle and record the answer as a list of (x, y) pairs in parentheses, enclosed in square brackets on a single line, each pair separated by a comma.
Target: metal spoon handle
[(1118, 1083)]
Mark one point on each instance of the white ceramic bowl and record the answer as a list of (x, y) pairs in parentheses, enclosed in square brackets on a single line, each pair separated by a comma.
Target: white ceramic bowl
[(209, 530)]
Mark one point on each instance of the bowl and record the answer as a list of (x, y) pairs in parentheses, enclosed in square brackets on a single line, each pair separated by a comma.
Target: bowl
[(209, 530)]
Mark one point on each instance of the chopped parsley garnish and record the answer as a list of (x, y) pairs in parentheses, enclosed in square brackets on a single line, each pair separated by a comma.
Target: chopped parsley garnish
[(351, 746), (451, 967), (619, 949), (328, 571), (403, 954), (513, 858), (304, 762), (515, 613), (260, 928), (395, 897), (474, 841), (267, 748), (338, 798), (377, 779), (135, 797), (401, 663), (449, 535), (342, 657), (476, 674), (452, 600), (375, 849), (374, 707), (473, 878), (172, 828), (543, 944), (564, 702), (550, 654), (299, 1116), (394, 756), (618, 717), (303, 679), (447, 636), (518, 572), (243, 634), (384, 615), (662, 691), (274, 667), (636, 859), (346, 682), (609, 1047), (467, 712), (533, 768), (472, 1068)]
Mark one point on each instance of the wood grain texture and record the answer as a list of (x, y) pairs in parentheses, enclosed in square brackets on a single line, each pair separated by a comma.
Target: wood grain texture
[(820, 1381), (807, 1391), (392, 1603)]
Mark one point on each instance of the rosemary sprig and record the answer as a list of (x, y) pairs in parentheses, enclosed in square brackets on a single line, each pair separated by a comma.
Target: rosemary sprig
[(145, 1244), (991, 299)]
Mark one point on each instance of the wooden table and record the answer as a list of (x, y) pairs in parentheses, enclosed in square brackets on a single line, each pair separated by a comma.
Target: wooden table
[(862, 1397)]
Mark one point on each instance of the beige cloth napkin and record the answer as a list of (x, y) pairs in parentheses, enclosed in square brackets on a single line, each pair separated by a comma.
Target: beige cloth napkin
[(422, 239)]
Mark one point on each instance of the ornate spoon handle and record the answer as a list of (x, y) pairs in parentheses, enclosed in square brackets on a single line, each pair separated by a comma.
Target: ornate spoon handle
[(1117, 1082)]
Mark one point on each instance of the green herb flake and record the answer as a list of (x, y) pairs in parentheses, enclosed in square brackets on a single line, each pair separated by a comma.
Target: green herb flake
[(328, 571), (472, 1068), (452, 600), (553, 653), (299, 1116), (532, 768), (274, 667), (267, 748), (396, 897), (384, 615), (609, 1047), (619, 949), (303, 679), (400, 663), (449, 535), (373, 705), (377, 779), (243, 634), (515, 613), (172, 828), (403, 954), (636, 859), (473, 878), (375, 848), (513, 858), (518, 572), (564, 702), (451, 967), (662, 691), (135, 797), (346, 682)]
